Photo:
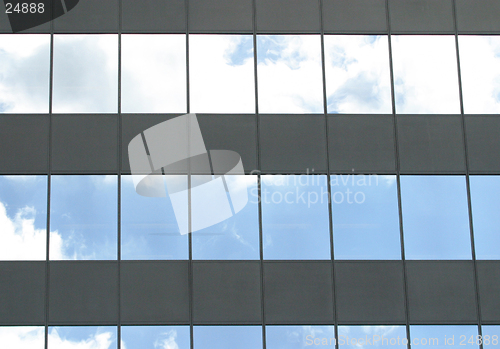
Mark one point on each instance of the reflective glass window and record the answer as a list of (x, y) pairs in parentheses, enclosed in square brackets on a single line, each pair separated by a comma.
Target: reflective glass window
[(295, 220), (82, 337), (480, 73), (425, 74), (227, 337), (353, 337), (289, 74), (23, 217), (454, 337), (236, 237), (435, 217), (491, 337), (221, 74), (153, 73), (24, 73), (19, 337), (299, 337), (83, 217), (357, 74), (155, 337), (85, 73), (365, 217), (149, 227), (485, 199)]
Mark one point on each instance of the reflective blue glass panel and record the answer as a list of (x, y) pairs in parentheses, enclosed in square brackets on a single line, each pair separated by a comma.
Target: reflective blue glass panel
[(23, 217), (365, 217), (435, 217), (227, 337), (19, 337), (491, 337), (353, 337), (295, 220), (298, 337), (84, 217), (155, 337), (357, 74), (82, 337), (454, 337)]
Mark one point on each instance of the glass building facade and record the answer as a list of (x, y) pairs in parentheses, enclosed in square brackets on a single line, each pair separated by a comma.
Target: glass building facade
[(369, 134)]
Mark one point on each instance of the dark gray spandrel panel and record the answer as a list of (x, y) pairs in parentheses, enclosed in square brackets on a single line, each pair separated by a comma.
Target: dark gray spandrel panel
[(421, 16), (89, 16), (361, 143), (154, 292), (5, 24), (430, 144), (478, 16), (153, 16), (84, 143), (220, 16), (292, 143), (441, 292), (483, 143), (298, 292), (22, 291), (83, 292), (287, 16), (226, 292), (24, 143), (488, 274), (354, 16), (370, 292)]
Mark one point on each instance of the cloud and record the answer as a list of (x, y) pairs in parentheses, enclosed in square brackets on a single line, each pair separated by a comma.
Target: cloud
[(169, 342), (95, 341), (22, 337)]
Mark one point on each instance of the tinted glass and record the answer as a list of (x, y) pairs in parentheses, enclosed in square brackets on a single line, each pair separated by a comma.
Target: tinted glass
[(83, 217), (354, 337), (85, 74), (155, 337), (227, 337), (289, 74), (153, 73), (24, 72), (365, 217), (485, 198), (491, 336), (236, 237), (221, 74), (23, 217), (444, 337), (480, 72), (298, 337), (295, 220), (357, 74), (425, 74), (22, 337), (82, 337), (435, 217), (149, 227)]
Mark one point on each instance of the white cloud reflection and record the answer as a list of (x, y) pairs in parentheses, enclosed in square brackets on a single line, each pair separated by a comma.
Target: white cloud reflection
[(81, 340), (19, 337)]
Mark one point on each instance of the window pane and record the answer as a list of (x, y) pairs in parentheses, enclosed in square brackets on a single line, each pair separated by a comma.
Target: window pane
[(24, 72), (480, 72), (149, 227), (85, 74), (23, 217), (365, 217), (491, 336), (298, 337), (83, 217), (425, 74), (354, 337), (357, 74), (238, 236), (485, 198), (82, 337), (22, 337), (153, 73), (221, 74), (155, 337), (289, 74), (295, 221), (444, 336), (227, 337), (435, 217)]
